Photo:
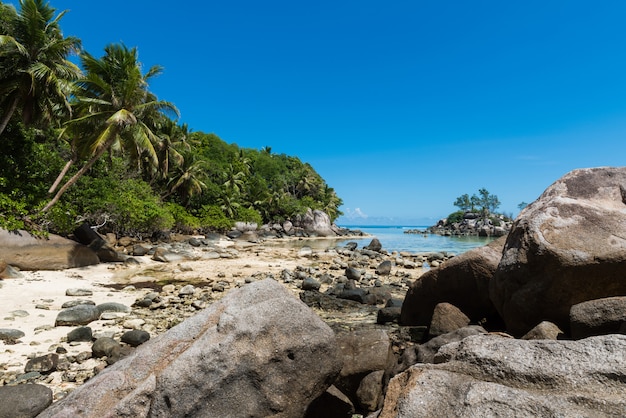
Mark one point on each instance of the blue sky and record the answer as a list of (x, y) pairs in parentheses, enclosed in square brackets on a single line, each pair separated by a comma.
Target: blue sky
[(401, 106)]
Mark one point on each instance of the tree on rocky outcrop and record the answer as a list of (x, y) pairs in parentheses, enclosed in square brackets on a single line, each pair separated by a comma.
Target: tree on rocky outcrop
[(487, 202)]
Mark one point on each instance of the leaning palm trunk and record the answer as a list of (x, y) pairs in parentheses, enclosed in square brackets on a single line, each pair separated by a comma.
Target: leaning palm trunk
[(78, 174), (7, 117), (61, 175)]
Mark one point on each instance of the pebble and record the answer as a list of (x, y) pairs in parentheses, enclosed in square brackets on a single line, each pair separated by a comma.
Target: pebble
[(78, 292)]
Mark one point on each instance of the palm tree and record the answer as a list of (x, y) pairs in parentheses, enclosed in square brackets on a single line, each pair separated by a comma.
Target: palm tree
[(186, 179), (36, 76), (173, 142), (115, 112)]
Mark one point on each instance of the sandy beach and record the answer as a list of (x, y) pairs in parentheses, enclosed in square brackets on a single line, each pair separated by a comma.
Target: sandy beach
[(32, 302)]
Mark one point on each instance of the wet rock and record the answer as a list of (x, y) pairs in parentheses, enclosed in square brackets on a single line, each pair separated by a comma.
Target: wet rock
[(24, 401), (374, 245)]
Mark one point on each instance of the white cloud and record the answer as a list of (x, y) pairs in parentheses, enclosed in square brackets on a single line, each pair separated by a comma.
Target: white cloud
[(357, 213)]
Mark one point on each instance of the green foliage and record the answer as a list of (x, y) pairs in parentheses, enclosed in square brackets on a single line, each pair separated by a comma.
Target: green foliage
[(184, 222), (487, 202), (212, 218), (130, 168), (455, 217), (249, 215)]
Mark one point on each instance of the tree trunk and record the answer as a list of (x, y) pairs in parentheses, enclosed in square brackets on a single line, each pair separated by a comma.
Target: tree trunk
[(61, 175), (9, 114), (78, 174)]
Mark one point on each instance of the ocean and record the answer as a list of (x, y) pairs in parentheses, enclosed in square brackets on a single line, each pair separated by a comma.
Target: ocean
[(394, 238)]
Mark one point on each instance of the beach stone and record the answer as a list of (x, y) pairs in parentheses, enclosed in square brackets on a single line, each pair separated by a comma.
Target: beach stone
[(77, 315), (446, 318), (353, 274), (24, 401), (10, 334), (462, 281), (598, 317), (76, 302), (310, 283), (141, 249), (26, 252), (133, 323), (258, 348), (487, 375), (9, 272), (374, 245), (20, 313), (546, 330), (113, 307), (305, 252), (187, 290), (42, 364), (384, 268), (104, 347), (389, 314), (565, 248), (135, 337), (80, 334), (79, 292)]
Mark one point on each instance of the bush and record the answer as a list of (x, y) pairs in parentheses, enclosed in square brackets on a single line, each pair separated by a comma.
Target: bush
[(455, 217), (213, 218), (183, 221), (249, 215)]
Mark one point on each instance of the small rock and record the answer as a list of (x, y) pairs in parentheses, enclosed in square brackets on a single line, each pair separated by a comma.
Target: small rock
[(42, 364), (135, 337), (78, 292), (80, 334)]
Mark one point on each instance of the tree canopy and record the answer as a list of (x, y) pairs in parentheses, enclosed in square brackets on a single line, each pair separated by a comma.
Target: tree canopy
[(92, 143)]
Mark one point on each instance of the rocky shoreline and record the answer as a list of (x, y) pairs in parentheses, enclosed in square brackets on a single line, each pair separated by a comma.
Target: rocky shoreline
[(531, 324), (159, 285)]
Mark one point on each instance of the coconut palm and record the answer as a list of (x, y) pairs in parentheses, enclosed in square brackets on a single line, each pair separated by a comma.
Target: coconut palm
[(36, 76), (115, 112), (186, 179)]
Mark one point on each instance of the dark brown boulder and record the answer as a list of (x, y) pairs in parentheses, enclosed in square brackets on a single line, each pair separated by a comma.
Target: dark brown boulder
[(462, 281), (22, 250), (567, 247)]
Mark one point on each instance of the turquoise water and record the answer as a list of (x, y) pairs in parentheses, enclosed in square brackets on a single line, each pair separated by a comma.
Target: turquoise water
[(393, 238)]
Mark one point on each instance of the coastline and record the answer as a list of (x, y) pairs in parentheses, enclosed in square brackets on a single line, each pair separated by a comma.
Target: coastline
[(31, 302)]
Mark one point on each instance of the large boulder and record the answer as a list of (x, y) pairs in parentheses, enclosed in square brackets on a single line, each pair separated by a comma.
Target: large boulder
[(487, 375), (21, 249), (462, 281), (598, 317), (257, 352), (316, 222), (567, 247)]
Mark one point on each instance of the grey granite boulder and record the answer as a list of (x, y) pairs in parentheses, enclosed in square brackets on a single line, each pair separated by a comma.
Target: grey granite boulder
[(489, 376), (77, 315), (567, 247), (24, 401), (22, 250), (446, 318), (256, 352)]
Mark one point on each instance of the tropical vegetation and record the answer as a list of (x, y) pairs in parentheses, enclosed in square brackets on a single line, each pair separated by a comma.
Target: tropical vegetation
[(89, 142)]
